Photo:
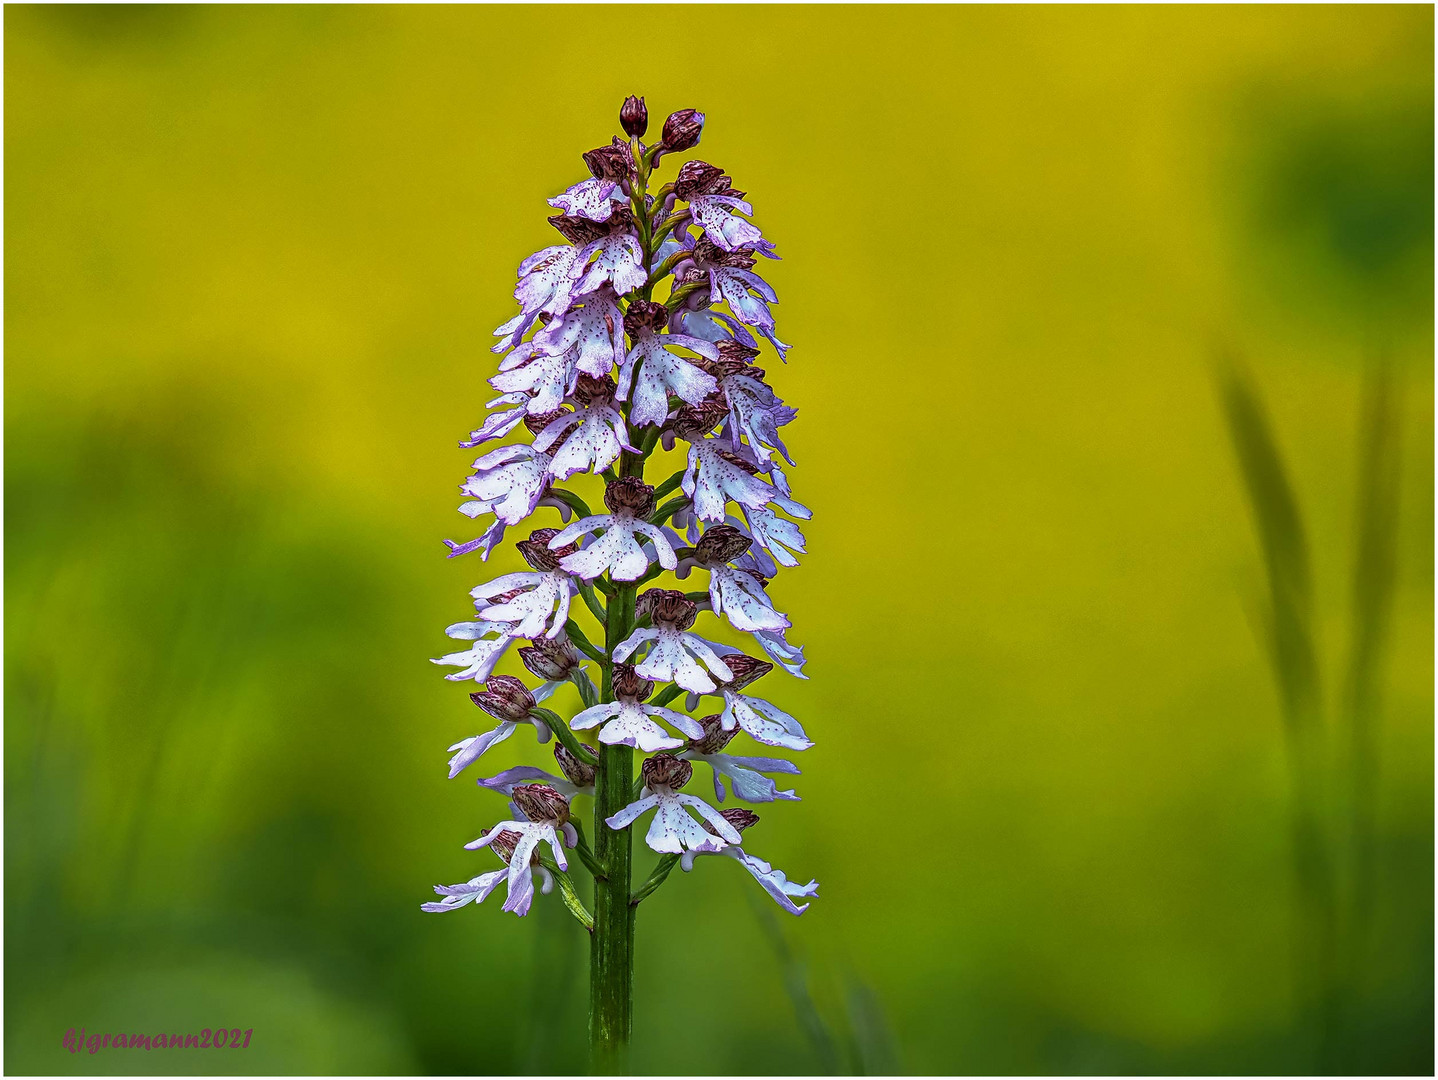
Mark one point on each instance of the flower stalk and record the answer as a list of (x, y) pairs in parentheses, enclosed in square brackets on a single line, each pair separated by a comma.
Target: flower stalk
[(604, 376), (611, 948)]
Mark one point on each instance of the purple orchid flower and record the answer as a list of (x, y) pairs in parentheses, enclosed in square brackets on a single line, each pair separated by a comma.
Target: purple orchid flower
[(673, 830), (773, 881)]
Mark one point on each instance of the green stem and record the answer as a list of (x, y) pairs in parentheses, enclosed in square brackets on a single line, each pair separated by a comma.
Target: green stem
[(611, 962), (611, 966), (611, 959)]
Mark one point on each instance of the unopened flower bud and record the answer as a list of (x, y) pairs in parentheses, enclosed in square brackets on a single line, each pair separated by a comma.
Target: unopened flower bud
[(698, 178), (682, 130), (715, 737), (613, 162), (540, 802), (577, 772), (537, 553), (631, 494), (645, 317), (721, 544), (665, 770), (629, 684), (634, 117), (669, 607), (505, 698), (550, 660), (578, 230), (746, 669)]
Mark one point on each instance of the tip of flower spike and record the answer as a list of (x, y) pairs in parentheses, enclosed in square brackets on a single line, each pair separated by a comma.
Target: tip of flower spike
[(682, 130), (634, 117)]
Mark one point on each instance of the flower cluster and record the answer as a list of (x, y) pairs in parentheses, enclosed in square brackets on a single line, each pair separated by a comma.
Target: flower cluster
[(639, 335)]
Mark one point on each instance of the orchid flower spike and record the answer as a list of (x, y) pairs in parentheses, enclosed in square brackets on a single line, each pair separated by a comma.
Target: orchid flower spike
[(647, 326)]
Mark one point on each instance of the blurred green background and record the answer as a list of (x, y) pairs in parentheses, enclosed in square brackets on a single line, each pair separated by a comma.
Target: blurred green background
[(252, 261)]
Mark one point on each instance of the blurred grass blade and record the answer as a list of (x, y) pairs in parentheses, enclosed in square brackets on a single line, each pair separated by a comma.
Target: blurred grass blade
[(796, 984), (548, 1042), (1376, 515), (873, 1041), (1285, 548), (1293, 656)]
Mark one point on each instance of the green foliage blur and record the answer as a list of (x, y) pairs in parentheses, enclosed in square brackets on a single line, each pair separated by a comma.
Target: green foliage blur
[(1042, 266)]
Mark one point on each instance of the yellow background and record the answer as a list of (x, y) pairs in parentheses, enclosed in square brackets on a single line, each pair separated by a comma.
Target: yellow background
[(253, 257)]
